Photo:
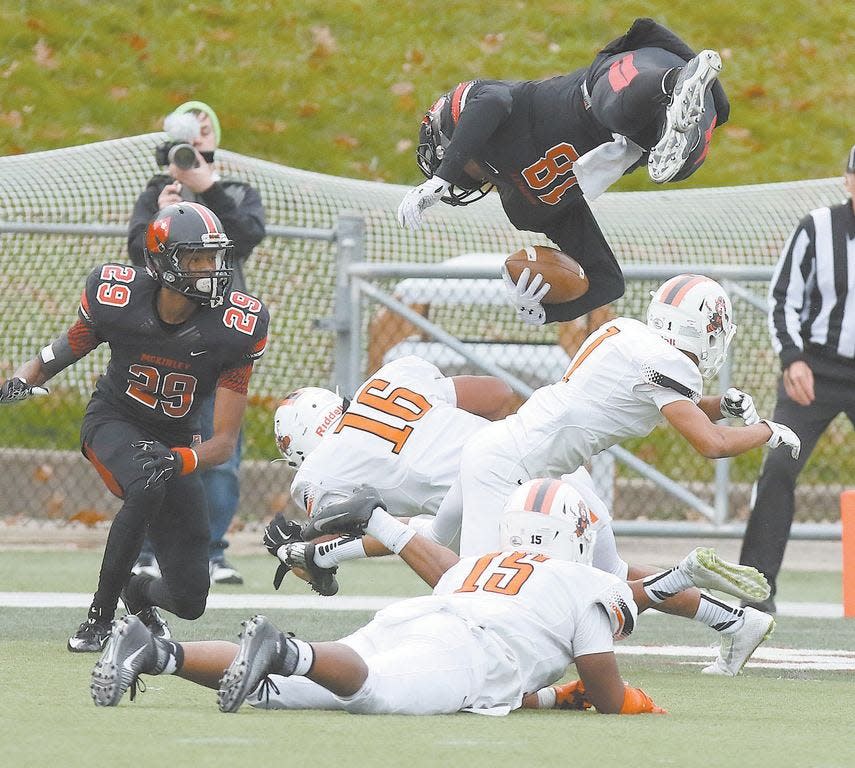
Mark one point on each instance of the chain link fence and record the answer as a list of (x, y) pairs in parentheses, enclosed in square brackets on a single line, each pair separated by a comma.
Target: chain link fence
[(62, 212)]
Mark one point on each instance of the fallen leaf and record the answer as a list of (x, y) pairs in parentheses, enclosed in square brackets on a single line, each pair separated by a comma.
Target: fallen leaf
[(346, 142), (308, 108), (43, 55), (135, 41), (89, 517), (754, 91), (119, 92), (42, 473), (403, 145), (403, 88), (492, 42), (324, 43)]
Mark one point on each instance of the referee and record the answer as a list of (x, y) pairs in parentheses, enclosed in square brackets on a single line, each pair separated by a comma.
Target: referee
[(812, 322)]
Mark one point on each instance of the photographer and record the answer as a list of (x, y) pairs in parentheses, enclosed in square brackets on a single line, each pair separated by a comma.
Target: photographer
[(190, 175)]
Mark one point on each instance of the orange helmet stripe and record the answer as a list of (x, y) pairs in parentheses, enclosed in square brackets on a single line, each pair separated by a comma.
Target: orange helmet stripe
[(675, 290)]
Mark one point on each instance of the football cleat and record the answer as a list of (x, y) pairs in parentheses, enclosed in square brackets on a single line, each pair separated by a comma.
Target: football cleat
[(146, 565), (223, 572), (737, 647), (259, 654), (682, 134), (91, 636), (301, 555), (708, 571), (348, 518), (148, 615), (129, 652)]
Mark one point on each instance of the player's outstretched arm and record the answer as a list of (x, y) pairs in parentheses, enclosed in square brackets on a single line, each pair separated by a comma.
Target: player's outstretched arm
[(716, 441)]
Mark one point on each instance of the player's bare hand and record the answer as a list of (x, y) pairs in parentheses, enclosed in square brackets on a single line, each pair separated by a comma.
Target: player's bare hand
[(798, 382)]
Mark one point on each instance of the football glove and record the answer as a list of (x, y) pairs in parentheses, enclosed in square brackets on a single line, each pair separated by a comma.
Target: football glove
[(158, 462), (571, 696), (418, 199), (739, 405), (526, 296), (302, 555), (280, 532), (783, 435), (15, 389)]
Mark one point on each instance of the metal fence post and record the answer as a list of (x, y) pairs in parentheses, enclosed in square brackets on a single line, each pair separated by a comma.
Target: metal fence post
[(722, 466), (347, 316)]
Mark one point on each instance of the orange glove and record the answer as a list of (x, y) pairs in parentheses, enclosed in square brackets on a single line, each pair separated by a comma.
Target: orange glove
[(571, 696), (637, 702)]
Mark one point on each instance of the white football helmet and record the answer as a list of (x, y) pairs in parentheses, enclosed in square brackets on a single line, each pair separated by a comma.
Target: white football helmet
[(549, 517), (302, 419), (694, 314)]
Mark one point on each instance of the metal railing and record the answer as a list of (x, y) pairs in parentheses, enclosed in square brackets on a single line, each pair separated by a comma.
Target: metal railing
[(356, 279)]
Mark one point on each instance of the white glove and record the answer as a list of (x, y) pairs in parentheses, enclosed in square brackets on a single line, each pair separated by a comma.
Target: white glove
[(419, 198), (526, 297), (739, 405), (783, 435)]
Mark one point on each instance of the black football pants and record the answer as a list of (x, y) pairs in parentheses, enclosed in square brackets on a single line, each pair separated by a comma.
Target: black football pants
[(175, 515), (773, 496)]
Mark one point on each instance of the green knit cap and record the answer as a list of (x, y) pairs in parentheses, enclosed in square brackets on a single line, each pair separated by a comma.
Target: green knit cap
[(201, 106)]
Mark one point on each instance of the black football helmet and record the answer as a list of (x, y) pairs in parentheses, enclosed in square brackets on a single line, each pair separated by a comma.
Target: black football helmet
[(434, 137), (181, 229)]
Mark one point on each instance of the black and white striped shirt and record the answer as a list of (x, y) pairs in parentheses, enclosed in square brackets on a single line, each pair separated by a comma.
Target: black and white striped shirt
[(812, 293)]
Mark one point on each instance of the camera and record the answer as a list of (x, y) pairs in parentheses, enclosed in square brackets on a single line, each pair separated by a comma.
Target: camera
[(178, 152)]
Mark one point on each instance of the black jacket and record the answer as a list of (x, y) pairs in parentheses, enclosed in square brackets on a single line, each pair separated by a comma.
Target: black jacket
[(236, 203)]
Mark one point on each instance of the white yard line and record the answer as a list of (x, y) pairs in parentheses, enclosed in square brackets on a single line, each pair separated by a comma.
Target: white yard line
[(337, 603), (763, 657)]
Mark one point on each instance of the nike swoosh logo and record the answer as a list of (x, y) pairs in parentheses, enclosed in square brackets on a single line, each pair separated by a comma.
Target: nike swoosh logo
[(130, 660), (196, 354), (327, 521)]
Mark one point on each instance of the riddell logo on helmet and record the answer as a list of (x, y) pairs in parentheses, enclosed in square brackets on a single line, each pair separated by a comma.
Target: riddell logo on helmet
[(330, 419)]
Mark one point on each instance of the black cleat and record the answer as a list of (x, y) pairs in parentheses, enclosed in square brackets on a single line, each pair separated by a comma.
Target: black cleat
[(347, 518)]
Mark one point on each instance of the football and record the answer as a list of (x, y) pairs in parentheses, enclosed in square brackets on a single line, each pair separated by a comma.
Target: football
[(563, 273)]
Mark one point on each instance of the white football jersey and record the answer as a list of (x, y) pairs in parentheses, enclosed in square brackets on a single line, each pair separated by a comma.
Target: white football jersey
[(616, 385), (544, 611), (402, 434)]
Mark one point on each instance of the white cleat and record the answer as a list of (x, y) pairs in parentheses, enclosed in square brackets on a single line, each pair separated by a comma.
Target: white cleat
[(708, 571), (682, 116), (737, 648)]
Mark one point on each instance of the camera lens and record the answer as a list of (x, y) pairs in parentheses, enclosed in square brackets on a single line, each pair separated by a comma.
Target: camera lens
[(183, 155)]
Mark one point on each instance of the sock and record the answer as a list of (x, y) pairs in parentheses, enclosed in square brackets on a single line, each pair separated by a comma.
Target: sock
[(720, 616), (390, 532), (97, 613), (546, 698), (170, 657), (295, 656), (661, 586), (330, 553)]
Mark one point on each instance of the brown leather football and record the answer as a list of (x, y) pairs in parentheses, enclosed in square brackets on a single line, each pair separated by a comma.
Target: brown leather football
[(563, 273)]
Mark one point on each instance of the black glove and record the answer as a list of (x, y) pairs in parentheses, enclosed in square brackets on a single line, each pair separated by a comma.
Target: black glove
[(160, 463), (281, 531), (13, 390)]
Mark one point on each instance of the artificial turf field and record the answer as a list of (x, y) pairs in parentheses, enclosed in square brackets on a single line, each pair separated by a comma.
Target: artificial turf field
[(788, 713)]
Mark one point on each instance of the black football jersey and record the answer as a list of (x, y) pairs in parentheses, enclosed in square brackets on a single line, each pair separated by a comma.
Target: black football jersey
[(526, 136), (159, 373)]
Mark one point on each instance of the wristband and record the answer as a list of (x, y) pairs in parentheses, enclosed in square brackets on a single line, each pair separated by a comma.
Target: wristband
[(189, 459)]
